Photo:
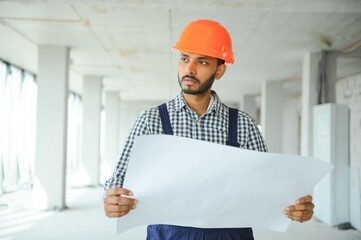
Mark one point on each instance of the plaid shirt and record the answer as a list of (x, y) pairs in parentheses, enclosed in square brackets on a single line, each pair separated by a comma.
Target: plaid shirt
[(212, 126)]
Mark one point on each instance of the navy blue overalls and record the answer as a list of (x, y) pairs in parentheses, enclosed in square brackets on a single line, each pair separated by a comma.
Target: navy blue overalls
[(170, 232)]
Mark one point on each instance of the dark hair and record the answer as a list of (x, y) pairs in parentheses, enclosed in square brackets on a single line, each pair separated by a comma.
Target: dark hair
[(220, 61)]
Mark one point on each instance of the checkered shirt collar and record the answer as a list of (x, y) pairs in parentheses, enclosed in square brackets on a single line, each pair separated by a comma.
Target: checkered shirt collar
[(179, 103)]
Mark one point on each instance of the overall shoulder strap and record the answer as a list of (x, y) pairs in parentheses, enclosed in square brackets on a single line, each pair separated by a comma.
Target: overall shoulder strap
[(164, 116), (233, 128)]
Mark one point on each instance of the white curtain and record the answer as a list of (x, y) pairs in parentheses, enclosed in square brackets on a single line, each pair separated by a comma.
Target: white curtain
[(3, 73), (74, 133), (17, 127), (27, 130), (18, 95), (11, 121)]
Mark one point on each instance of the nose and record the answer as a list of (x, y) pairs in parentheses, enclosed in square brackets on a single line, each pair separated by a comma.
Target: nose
[(191, 68)]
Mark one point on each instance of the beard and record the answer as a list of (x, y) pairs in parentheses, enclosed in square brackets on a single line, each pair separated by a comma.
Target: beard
[(202, 87)]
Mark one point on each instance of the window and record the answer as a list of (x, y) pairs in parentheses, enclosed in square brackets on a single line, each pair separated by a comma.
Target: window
[(17, 127), (27, 130), (74, 133), (18, 103)]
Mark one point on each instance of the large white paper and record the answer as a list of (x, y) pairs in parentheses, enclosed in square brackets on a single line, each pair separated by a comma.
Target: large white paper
[(187, 182)]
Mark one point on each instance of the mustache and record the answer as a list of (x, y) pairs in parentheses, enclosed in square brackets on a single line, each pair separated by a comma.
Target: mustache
[(191, 77)]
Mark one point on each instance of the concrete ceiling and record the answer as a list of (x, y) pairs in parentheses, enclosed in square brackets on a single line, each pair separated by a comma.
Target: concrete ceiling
[(129, 42)]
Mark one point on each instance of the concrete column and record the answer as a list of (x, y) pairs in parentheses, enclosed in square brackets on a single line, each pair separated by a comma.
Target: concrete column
[(249, 105), (328, 68), (52, 103), (318, 87), (310, 76), (272, 114), (111, 144), (290, 125), (92, 89)]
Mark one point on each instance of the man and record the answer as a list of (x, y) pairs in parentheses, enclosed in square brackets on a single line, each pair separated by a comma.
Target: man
[(197, 112)]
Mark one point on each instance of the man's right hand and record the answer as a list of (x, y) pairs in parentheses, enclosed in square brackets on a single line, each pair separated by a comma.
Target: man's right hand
[(116, 204)]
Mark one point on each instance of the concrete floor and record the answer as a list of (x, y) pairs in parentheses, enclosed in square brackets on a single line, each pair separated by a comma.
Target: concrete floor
[(85, 220)]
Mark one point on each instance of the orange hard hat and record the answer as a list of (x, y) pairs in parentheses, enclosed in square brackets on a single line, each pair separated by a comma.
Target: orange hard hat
[(206, 37)]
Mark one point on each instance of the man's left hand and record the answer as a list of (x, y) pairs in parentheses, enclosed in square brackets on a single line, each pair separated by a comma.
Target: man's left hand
[(302, 211)]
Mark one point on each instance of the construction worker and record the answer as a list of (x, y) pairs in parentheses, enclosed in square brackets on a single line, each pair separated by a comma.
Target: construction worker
[(196, 112)]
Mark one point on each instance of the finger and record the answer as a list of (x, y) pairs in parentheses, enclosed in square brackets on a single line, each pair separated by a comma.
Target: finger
[(298, 213), (119, 208), (305, 199), (301, 217), (116, 214), (300, 207), (119, 200), (118, 192)]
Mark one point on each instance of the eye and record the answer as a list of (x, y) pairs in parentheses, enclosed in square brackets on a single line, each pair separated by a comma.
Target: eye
[(183, 59), (202, 62)]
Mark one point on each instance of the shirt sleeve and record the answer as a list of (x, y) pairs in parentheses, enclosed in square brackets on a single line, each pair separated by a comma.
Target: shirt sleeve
[(140, 127), (255, 140)]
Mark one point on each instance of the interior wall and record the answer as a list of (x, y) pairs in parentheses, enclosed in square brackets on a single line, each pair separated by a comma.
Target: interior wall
[(348, 91), (291, 131)]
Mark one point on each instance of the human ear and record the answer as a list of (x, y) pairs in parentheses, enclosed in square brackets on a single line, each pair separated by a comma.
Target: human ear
[(221, 69)]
